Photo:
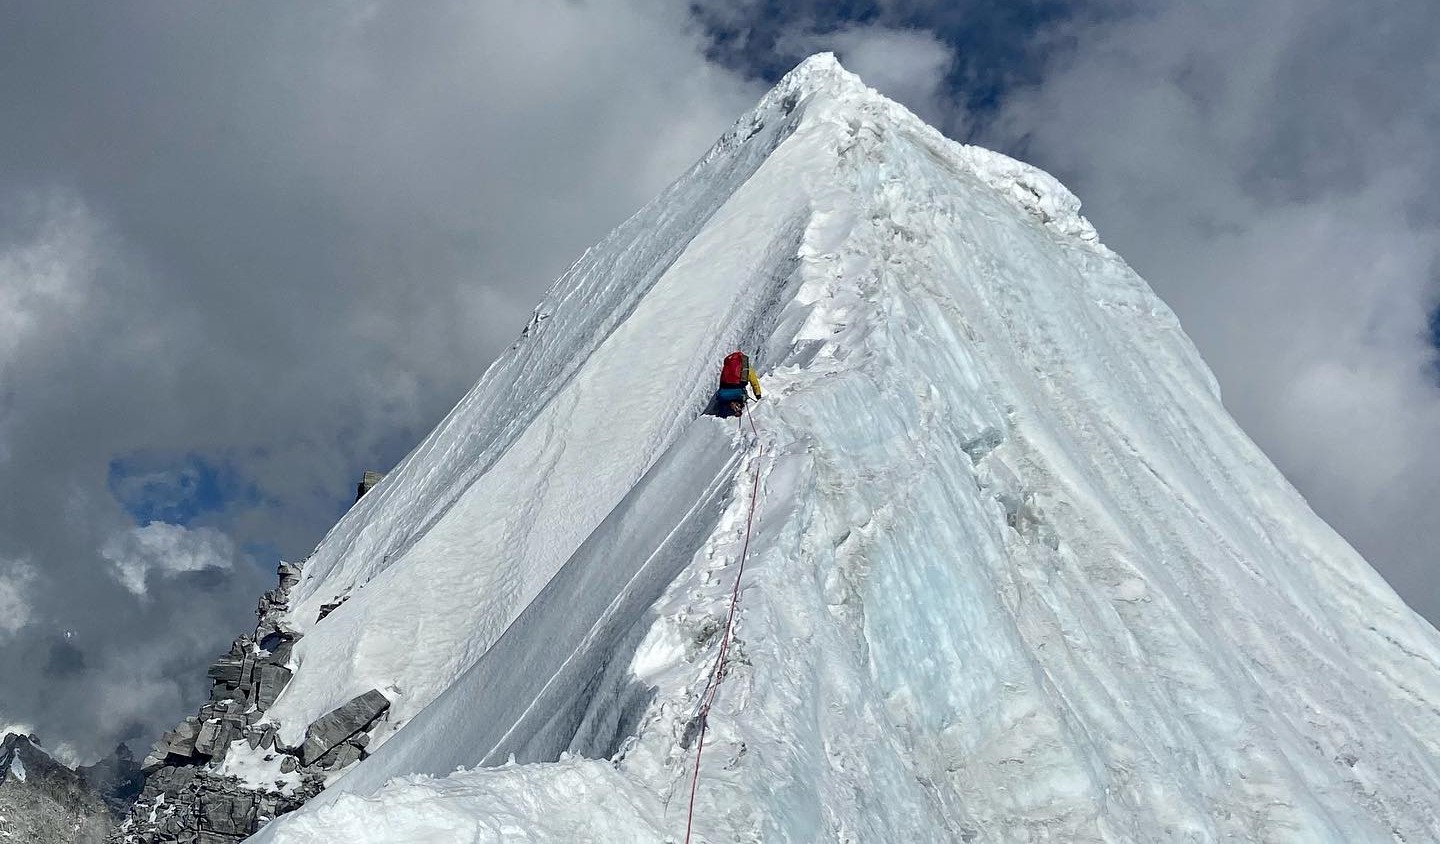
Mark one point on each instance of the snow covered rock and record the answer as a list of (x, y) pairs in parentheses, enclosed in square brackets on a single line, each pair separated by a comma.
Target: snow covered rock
[(342, 723), (219, 775), (1013, 573)]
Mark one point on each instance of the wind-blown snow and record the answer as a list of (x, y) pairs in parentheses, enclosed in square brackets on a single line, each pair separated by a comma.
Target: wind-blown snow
[(1016, 575)]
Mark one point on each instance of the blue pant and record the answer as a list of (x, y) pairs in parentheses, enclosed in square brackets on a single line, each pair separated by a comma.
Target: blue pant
[(723, 398)]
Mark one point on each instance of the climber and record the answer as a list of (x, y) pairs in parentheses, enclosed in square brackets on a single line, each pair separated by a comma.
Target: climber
[(734, 374)]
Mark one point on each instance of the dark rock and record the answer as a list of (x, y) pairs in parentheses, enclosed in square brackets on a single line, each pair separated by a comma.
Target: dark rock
[(367, 483), (230, 812), (339, 757), (181, 741), (341, 724), (180, 776), (247, 671), (266, 807), (271, 640), (177, 744), (272, 678), (206, 740), (280, 654), (289, 575), (288, 764), (227, 669), (326, 609), (214, 738)]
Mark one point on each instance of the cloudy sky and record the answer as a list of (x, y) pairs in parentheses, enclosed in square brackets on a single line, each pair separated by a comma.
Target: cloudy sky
[(248, 250)]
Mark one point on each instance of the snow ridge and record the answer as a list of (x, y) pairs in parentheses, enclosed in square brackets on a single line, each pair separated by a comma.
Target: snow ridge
[(1016, 574)]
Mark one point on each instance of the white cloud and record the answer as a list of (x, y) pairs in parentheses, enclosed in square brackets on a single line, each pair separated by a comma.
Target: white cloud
[(907, 65), (16, 578), (45, 274), (1259, 165), (308, 240), (165, 549)]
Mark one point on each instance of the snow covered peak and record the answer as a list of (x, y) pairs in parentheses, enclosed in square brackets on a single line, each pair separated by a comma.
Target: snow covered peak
[(1012, 567), (12, 745), (821, 72), (823, 64)]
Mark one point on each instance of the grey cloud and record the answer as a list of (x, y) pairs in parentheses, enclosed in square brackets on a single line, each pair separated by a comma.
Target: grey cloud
[(1267, 167), (908, 65)]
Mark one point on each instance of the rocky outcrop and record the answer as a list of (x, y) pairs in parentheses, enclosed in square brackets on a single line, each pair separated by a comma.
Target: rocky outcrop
[(44, 802), (340, 724), (223, 773), (367, 482), (269, 680)]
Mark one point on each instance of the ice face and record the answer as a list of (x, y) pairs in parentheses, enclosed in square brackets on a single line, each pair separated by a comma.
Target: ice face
[(1015, 572)]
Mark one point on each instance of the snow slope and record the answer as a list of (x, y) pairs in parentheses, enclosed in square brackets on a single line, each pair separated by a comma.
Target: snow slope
[(1016, 575)]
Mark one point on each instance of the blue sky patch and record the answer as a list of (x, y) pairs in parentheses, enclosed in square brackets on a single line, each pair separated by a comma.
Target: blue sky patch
[(1434, 335), (264, 554), (176, 488), (994, 44)]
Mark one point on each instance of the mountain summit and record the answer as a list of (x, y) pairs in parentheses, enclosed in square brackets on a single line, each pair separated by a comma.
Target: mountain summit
[(1011, 571)]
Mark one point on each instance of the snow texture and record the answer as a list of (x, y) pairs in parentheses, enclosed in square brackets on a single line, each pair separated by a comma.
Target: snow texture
[(1016, 574), (258, 768)]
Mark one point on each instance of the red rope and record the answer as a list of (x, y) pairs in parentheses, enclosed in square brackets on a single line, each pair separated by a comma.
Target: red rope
[(713, 687)]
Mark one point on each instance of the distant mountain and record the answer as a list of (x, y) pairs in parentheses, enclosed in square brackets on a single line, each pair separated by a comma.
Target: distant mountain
[(116, 778), (44, 802)]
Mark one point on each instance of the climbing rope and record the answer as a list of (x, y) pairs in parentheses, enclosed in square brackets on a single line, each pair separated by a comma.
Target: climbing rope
[(713, 686)]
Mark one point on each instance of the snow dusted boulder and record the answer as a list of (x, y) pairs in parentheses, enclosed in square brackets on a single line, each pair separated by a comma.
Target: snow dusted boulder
[(342, 723), (176, 744)]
